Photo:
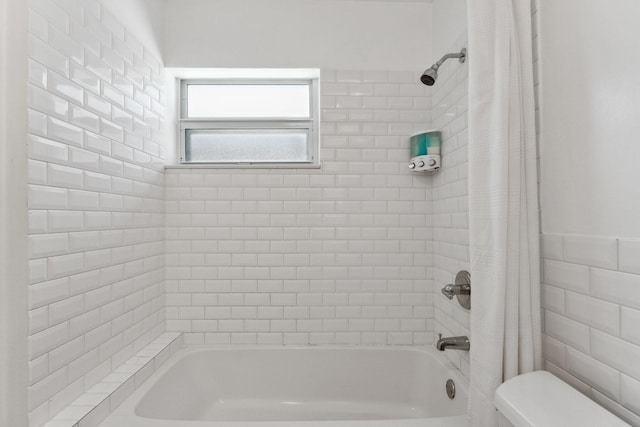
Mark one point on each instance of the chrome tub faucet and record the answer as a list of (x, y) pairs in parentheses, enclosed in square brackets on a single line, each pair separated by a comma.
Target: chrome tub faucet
[(453, 343)]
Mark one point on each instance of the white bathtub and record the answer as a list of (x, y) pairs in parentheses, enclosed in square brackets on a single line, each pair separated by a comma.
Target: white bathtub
[(268, 387)]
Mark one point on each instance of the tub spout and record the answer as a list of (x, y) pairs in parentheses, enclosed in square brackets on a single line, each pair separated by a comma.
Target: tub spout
[(453, 343)]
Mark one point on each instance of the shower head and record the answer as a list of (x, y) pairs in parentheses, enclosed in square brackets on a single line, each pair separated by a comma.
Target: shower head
[(430, 75)]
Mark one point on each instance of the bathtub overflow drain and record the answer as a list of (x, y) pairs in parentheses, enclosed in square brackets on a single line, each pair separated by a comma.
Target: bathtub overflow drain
[(451, 389)]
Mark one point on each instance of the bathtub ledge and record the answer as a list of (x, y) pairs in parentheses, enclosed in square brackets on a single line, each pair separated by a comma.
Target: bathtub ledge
[(92, 407)]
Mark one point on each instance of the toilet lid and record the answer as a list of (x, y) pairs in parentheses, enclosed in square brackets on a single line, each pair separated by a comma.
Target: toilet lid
[(539, 399)]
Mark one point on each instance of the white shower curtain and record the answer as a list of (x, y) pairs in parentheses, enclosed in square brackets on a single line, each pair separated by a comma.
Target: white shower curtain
[(503, 202)]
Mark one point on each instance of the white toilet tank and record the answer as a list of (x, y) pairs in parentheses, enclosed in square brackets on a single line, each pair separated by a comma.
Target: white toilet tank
[(539, 399)]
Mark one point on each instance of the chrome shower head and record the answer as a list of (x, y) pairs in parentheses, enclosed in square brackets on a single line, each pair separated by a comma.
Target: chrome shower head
[(430, 76)]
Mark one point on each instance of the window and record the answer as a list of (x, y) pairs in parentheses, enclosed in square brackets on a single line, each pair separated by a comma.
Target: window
[(249, 122)]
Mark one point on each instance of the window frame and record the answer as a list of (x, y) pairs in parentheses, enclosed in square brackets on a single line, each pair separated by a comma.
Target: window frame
[(311, 123)]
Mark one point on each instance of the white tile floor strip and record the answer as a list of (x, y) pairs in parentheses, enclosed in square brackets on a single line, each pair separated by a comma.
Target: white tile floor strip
[(92, 407)]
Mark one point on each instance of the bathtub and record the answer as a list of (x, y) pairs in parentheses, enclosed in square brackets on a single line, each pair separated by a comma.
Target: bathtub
[(306, 387)]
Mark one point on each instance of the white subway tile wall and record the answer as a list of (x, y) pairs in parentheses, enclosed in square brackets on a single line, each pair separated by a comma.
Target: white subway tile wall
[(337, 255), (591, 315), (96, 208), (450, 200)]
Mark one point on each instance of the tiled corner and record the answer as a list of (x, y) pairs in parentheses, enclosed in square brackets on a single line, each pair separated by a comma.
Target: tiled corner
[(92, 407), (450, 217)]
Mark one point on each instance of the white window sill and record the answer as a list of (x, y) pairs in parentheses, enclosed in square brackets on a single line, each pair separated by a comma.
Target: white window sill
[(243, 166)]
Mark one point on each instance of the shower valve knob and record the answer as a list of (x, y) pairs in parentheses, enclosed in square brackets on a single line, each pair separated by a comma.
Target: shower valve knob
[(412, 165), (421, 164), (432, 162)]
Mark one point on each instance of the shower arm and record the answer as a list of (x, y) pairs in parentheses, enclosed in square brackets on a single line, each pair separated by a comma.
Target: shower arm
[(462, 55)]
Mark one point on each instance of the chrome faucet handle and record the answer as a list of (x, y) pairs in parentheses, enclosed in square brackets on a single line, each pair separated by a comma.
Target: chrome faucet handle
[(461, 289), (450, 290)]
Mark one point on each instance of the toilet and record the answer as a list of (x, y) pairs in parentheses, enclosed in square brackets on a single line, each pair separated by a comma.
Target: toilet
[(540, 399)]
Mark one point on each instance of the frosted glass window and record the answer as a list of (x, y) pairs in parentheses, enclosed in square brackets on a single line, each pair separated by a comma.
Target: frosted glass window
[(249, 122), (248, 101), (247, 145)]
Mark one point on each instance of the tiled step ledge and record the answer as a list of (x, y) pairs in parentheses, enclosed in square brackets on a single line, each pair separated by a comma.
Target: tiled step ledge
[(90, 409)]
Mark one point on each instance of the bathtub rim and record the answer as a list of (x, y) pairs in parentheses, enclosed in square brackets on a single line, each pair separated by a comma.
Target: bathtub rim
[(128, 407)]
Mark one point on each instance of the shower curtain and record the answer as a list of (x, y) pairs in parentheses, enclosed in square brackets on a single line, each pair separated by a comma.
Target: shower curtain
[(503, 202)]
